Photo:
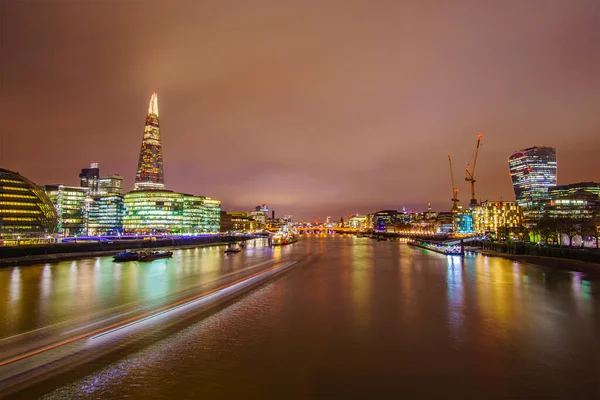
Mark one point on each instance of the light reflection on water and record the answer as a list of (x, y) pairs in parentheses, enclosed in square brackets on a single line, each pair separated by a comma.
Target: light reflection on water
[(364, 319), (454, 270), (40, 295)]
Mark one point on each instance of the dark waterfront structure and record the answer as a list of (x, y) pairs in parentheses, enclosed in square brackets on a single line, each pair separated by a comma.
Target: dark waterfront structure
[(25, 210), (149, 174), (533, 172)]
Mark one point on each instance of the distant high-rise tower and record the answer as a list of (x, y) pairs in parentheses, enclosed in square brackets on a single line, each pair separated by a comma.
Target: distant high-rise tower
[(89, 178), (533, 171), (149, 174)]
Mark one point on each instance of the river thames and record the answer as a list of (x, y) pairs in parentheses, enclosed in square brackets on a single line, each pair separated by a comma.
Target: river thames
[(342, 317)]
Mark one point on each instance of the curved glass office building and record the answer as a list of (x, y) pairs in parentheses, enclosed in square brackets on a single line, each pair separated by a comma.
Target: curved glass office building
[(25, 210), (533, 172)]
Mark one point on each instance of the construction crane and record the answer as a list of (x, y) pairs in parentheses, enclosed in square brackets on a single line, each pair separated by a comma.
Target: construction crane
[(471, 173), (454, 189)]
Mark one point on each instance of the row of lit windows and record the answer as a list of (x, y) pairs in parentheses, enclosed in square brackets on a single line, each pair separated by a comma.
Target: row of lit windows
[(4, 180), (18, 196), (18, 203), (16, 188), (4, 211)]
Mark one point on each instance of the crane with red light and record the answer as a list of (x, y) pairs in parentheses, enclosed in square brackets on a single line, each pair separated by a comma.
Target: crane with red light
[(471, 172), (454, 189)]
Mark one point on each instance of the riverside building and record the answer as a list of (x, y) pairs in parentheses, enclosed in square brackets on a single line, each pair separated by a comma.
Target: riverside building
[(25, 210), (238, 221), (490, 216), (168, 212), (358, 222), (71, 204), (580, 205), (463, 221), (106, 215)]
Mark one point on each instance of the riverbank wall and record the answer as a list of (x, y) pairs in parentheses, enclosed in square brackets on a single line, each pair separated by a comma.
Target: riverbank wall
[(66, 251), (585, 255)]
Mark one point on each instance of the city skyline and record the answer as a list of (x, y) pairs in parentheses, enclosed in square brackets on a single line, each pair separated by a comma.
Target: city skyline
[(250, 118)]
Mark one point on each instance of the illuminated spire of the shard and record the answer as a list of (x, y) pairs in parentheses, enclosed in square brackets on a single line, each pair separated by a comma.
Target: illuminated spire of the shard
[(149, 174), (153, 105)]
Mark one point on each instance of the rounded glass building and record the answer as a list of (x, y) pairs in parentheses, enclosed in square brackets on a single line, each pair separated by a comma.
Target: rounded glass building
[(25, 210)]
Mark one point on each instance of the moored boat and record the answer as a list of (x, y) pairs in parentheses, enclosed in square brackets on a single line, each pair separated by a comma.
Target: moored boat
[(280, 240), (154, 255), (126, 256)]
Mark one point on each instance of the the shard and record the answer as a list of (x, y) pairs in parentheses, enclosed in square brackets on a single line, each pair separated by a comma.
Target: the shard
[(150, 174)]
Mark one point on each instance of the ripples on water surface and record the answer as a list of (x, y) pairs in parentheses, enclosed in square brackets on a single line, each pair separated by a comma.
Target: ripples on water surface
[(360, 318)]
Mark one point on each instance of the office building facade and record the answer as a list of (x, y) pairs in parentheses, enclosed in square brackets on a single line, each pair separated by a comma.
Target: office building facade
[(100, 185), (153, 211), (237, 221), (463, 222), (533, 172), (164, 211), (577, 206), (89, 178), (105, 215), (571, 189), (211, 215), (491, 216), (358, 222), (71, 204)]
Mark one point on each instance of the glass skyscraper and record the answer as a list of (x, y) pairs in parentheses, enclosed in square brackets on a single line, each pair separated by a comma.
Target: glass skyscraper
[(533, 172), (149, 174)]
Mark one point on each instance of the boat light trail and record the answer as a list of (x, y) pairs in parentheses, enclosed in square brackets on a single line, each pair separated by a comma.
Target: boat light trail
[(143, 317)]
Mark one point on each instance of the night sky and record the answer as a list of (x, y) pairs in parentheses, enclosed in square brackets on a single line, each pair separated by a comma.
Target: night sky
[(314, 107)]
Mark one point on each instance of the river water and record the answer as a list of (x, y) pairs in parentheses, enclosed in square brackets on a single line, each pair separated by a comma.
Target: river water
[(353, 318)]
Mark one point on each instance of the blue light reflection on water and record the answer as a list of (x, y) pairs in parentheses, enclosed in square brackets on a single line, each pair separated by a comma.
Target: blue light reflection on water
[(454, 282)]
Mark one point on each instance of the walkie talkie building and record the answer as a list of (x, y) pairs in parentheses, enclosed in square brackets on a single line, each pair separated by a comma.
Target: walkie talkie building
[(533, 172)]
